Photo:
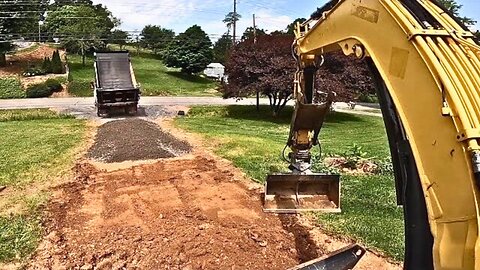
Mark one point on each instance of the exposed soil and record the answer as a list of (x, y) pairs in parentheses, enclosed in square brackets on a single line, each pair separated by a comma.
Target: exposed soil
[(173, 214), (190, 212), (135, 139), (360, 167), (17, 63)]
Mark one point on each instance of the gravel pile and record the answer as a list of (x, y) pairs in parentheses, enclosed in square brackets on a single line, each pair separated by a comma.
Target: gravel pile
[(135, 139)]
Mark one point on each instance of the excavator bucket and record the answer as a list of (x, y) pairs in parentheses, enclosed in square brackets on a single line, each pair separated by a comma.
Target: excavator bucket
[(295, 193)]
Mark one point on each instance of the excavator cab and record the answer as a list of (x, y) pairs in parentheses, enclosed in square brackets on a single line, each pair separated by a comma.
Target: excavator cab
[(302, 190)]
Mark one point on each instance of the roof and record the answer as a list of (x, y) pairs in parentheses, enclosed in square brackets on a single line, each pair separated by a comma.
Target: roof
[(215, 65)]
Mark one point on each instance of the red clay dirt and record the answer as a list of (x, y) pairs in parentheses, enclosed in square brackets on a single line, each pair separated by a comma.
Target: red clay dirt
[(191, 212), (173, 214), (17, 63)]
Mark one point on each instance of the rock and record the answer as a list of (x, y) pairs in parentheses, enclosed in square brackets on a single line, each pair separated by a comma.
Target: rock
[(2, 188), (263, 243), (86, 267), (54, 237), (203, 227)]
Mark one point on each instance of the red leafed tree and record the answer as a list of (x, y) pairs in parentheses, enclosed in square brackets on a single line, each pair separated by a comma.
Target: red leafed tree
[(267, 66), (347, 76)]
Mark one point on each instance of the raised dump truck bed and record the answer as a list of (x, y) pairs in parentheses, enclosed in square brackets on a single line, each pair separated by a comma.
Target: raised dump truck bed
[(115, 84)]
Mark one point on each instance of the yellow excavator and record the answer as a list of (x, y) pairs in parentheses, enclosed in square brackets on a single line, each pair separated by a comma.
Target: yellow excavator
[(426, 65)]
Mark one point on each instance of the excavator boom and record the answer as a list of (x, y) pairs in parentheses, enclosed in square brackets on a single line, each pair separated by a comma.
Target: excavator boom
[(427, 68)]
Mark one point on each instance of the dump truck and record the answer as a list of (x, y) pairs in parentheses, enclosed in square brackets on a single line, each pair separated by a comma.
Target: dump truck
[(115, 85), (426, 65)]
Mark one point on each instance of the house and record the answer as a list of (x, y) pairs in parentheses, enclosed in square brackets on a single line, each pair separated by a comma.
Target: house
[(215, 70)]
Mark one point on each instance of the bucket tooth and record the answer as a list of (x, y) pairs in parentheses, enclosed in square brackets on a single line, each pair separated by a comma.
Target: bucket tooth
[(294, 193)]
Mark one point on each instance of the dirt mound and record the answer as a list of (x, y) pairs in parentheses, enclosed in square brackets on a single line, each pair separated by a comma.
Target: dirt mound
[(355, 167), (135, 139), (17, 63), (175, 214)]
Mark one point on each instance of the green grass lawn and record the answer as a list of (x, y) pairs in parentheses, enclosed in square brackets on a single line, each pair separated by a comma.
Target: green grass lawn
[(154, 77), (254, 141), (38, 148)]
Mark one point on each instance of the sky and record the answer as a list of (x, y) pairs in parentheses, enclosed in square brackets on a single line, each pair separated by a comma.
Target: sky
[(271, 15)]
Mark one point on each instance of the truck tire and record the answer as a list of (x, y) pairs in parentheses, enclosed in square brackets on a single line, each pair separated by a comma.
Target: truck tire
[(131, 110), (102, 112)]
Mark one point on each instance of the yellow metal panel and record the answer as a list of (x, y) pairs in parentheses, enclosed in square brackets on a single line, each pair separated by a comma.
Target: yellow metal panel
[(398, 62)]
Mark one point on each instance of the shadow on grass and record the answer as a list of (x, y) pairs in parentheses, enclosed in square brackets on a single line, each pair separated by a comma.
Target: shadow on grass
[(265, 114), (338, 117), (146, 55), (188, 77)]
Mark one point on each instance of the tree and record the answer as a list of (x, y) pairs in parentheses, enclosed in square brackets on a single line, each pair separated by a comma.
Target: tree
[(119, 37), (279, 33), (266, 66), (47, 65), (61, 3), (230, 19), (291, 27), (249, 33), (221, 48), (454, 8), (191, 51), (56, 64), (4, 48), (156, 38), (347, 76), (80, 35)]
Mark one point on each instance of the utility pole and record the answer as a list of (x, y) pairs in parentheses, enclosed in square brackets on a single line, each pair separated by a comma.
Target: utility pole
[(138, 42), (254, 30), (234, 22), (255, 42)]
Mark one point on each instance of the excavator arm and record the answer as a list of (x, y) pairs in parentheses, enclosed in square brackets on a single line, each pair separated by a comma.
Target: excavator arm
[(427, 68)]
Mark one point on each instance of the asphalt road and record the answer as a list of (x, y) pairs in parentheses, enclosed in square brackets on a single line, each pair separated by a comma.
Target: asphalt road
[(38, 103), (155, 106)]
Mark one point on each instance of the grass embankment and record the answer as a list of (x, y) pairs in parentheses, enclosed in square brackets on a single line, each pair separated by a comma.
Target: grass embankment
[(254, 141), (154, 77), (38, 148)]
